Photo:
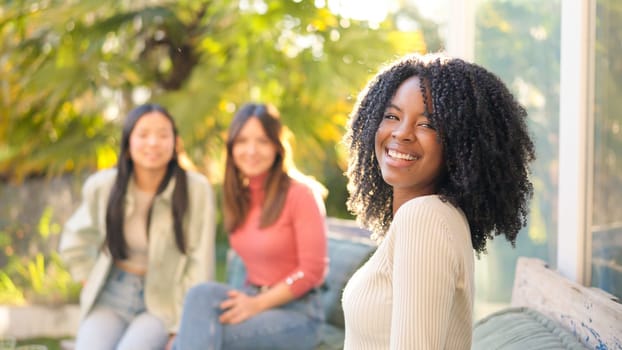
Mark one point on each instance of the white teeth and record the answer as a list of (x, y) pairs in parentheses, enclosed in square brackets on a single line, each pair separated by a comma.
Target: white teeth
[(396, 154)]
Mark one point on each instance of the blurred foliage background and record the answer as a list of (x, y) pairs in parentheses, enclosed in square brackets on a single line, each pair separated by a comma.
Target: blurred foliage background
[(71, 70)]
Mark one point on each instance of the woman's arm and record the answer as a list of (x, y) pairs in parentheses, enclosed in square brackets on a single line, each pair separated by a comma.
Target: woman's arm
[(202, 229), (424, 279), (311, 242), (81, 239), (200, 240)]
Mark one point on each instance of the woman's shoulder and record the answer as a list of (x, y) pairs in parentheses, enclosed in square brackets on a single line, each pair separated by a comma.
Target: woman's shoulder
[(432, 206), (433, 211), (304, 194), (299, 188), (197, 179), (199, 188), (432, 202), (308, 182), (101, 178), (305, 183), (99, 184)]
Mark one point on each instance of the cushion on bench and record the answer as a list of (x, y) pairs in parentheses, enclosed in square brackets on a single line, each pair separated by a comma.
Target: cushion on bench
[(236, 272), (346, 255), (520, 328)]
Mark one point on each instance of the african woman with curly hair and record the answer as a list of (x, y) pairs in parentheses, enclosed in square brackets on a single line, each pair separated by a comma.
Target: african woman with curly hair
[(439, 163)]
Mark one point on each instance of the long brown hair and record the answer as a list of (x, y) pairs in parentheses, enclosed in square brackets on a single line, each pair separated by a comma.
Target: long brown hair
[(115, 212), (236, 193)]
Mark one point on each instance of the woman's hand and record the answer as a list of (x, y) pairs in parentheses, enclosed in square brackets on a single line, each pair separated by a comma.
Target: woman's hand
[(169, 343), (239, 307)]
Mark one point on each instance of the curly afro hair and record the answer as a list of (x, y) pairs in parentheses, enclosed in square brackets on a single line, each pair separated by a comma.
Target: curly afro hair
[(486, 146)]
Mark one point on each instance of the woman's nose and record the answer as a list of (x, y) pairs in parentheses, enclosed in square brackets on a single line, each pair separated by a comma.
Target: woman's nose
[(251, 148), (403, 132)]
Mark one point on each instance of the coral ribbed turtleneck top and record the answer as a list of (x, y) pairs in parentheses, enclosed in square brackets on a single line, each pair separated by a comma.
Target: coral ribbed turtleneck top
[(292, 249)]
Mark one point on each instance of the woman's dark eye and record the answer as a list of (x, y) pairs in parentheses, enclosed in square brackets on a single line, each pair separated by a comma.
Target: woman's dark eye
[(427, 125), (390, 116)]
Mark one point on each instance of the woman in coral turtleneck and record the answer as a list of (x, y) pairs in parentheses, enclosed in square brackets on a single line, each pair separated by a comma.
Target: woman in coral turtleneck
[(277, 227)]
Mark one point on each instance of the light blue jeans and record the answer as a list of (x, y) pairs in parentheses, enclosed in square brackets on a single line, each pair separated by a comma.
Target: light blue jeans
[(119, 319), (292, 326)]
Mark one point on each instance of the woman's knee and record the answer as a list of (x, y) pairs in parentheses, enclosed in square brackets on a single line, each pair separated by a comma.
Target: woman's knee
[(146, 331), (205, 294), (101, 329)]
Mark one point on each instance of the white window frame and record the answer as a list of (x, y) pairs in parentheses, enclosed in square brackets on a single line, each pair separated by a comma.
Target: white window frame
[(461, 29), (575, 124), (576, 140)]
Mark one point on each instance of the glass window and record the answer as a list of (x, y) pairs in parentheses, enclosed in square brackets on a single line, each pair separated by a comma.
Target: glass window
[(520, 41), (606, 230)]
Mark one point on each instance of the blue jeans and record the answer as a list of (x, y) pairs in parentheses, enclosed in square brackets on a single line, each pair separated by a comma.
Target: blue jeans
[(119, 319), (295, 325)]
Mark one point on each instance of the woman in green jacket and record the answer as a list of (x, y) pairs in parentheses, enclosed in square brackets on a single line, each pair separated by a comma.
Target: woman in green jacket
[(143, 235)]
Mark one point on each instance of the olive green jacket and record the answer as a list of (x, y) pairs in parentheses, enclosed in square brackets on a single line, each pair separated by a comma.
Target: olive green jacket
[(169, 272)]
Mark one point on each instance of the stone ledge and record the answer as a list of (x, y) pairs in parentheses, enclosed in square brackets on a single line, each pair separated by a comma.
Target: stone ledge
[(32, 321)]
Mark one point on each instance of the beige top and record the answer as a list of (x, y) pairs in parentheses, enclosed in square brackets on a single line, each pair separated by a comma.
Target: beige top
[(169, 273), (416, 291), (135, 232)]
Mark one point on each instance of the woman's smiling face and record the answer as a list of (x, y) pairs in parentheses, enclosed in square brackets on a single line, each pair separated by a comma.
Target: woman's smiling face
[(407, 147), (152, 142), (253, 151)]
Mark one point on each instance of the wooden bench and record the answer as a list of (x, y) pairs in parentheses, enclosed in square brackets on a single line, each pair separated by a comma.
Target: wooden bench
[(549, 311)]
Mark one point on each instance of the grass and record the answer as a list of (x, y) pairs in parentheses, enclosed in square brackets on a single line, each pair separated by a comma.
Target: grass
[(51, 343)]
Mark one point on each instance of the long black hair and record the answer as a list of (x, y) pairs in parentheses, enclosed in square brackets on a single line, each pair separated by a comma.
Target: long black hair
[(486, 146), (115, 212)]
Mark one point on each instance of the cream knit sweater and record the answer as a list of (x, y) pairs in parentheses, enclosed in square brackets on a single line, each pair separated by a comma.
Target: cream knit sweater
[(416, 291)]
